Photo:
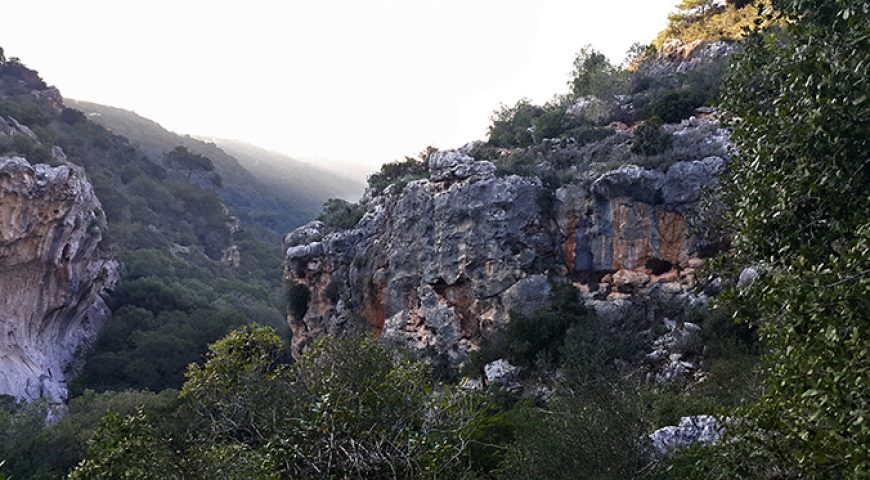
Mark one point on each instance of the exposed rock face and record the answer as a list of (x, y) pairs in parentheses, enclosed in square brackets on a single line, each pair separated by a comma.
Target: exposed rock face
[(630, 216), (438, 264), (431, 266), (52, 276), (678, 57)]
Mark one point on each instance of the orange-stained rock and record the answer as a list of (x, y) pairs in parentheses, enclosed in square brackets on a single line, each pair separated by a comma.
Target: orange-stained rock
[(629, 277), (673, 232), (632, 228), (667, 277)]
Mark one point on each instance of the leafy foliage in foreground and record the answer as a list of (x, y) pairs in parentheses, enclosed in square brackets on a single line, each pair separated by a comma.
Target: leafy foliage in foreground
[(348, 409), (34, 449), (800, 203)]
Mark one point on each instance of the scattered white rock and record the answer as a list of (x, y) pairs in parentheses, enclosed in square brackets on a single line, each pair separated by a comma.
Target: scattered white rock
[(691, 430), (500, 371)]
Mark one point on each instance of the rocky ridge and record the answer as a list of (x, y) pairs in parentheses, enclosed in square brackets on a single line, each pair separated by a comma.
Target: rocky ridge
[(53, 274), (440, 263)]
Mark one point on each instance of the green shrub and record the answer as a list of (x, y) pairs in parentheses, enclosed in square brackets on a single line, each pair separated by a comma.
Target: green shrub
[(594, 75), (512, 126), (25, 113), (676, 105), (523, 163), (585, 135), (401, 172), (591, 429), (349, 408), (535, 340), (338, 214), (709, 24), (650, 138)]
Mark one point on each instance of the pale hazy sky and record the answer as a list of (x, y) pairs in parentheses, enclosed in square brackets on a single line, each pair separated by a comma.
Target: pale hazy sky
[(358, 81)]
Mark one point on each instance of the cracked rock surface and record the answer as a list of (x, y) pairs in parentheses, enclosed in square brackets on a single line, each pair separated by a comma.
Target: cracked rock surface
[(439, 263)]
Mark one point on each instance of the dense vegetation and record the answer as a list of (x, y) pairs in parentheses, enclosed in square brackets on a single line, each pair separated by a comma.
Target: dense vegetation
[(799, 198), (349, 408), (708, 20)]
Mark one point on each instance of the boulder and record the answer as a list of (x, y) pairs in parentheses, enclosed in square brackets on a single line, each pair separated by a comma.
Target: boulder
[(691, 430), (452, 165), (500, 371)]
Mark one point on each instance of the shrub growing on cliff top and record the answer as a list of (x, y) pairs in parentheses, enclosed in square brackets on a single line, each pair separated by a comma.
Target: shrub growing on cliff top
[(340, 214), (594, 75), (511, 126), (707, 20), (650, 138), (401, 172)]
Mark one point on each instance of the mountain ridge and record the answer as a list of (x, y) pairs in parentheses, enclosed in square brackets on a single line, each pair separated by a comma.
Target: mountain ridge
[(275, 204)]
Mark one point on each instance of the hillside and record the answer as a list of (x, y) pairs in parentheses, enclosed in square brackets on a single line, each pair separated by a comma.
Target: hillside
[(274, 190), (75, 198), (283, 173)]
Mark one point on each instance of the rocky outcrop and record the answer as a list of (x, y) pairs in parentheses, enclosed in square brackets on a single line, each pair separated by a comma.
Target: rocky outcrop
[(439, 263), (430, 266), (677, 57), (691, 430), (52, 276), (631, 217)]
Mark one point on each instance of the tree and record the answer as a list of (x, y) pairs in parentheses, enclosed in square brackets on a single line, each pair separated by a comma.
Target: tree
[(697, 7), (594, 75), (340, 214), (128, 448), (512, 126), (187, 161), (799, 197)]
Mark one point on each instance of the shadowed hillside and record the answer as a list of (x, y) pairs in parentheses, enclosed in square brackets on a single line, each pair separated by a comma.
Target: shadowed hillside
[(275, 191)]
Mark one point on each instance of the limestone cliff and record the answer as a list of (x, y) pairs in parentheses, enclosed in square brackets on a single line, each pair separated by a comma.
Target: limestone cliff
[(440, 262), (52, 275)]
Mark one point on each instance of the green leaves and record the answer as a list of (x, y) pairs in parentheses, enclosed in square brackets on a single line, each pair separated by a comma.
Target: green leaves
[(799, 194), (349, 408)]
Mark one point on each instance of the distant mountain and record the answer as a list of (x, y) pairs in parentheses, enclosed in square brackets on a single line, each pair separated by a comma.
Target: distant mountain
[(273, 190), (279, 170)]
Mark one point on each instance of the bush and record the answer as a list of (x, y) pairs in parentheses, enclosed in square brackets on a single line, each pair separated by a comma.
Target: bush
[(512, 126), (714, 23), (650, 138), (594, 75), (523, 163), (349, 408), (591, 429), (676, 105), (338, 214), (401, 172), (536, 339)]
